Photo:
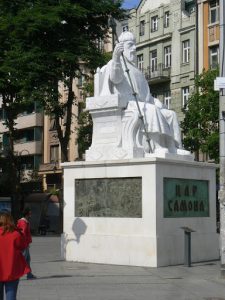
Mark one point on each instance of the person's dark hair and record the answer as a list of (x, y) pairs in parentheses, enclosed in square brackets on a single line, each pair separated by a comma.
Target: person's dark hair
[(26, 211), (7, 222)]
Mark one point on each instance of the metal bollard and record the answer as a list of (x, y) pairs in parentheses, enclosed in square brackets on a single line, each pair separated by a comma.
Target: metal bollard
[(187, 245)]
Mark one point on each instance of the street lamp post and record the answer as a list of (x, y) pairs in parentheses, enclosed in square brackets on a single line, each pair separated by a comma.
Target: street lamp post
[(222, 140)]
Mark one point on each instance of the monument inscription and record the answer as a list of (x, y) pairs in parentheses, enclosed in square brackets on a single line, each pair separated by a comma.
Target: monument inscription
[(185, 198), (109, 197)]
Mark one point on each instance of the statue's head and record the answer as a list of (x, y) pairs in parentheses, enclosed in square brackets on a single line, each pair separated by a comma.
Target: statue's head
[(127, 36), (129, 41)]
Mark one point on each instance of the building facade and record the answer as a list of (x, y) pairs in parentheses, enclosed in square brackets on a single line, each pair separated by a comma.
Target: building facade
[(28, 143), (165, 33)]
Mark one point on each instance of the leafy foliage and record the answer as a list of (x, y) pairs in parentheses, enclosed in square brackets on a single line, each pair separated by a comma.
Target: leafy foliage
[(201, 122), (42, 43)]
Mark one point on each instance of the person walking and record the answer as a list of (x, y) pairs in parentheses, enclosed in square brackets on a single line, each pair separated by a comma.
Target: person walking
[(12, 262), (23, 224)]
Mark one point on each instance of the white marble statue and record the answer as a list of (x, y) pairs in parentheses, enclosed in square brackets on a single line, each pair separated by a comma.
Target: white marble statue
[(114, 111)]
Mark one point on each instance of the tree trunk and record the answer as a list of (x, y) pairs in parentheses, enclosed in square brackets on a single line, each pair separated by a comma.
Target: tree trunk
[(65, 132)]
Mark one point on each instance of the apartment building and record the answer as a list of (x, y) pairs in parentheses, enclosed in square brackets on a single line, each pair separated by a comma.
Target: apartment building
[(208, 34), (165, 32), (28, 144)]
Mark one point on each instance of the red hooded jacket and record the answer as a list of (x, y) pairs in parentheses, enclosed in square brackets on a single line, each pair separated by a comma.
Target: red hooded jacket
[(24, 227), (12, 262)]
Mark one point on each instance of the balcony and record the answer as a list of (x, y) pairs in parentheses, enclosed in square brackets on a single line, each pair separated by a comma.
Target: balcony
[(49, 168), (25, 121), (33, 147), (158, 74)]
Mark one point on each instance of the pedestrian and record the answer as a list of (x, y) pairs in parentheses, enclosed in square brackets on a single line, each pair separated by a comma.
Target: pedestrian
[(24, 225), (12, 262)]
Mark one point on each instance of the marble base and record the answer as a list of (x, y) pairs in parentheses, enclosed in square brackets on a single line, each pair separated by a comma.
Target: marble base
[(151, 240)]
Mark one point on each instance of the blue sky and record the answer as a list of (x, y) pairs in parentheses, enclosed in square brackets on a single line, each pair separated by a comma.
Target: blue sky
[(130, 3)]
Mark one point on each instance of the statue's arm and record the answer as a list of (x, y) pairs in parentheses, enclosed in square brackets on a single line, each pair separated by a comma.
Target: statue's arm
[(116, 73)]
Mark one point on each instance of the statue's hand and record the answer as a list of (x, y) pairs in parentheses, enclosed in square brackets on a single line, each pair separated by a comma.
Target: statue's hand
[(118, 51)]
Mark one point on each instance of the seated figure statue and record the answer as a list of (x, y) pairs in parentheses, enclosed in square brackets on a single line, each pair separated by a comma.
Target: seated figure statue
[(161, 123)]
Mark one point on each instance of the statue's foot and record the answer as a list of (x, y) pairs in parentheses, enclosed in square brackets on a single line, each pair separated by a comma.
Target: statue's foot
[(161, 150)]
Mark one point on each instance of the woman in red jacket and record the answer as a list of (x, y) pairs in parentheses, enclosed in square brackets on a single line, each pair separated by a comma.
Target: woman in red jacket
[(12, 262)]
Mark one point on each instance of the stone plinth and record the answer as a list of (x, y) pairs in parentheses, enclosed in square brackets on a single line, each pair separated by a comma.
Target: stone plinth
[(162, 196)]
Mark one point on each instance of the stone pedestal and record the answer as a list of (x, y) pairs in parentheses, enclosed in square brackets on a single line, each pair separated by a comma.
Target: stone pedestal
[(162, 196)]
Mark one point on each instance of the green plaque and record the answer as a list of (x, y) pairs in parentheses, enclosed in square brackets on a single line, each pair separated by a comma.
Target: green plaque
[(108, 197), (185, 198)]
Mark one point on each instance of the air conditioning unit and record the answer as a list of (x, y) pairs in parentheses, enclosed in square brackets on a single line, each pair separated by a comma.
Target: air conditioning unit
[(219, 83)]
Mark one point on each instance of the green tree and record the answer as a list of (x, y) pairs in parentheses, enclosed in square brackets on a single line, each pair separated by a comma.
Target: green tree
[(49, 39), (41, 44), (201, 117), (12, 102)]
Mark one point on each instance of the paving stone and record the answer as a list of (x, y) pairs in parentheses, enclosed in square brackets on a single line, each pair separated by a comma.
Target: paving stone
[(60, 280)]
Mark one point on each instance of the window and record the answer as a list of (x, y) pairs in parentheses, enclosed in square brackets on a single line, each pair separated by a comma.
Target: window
[(25, 136), (190, 6), (214, 57), (3, 114), (81, 80), (167, 57), (125, 28), (154, 23), (212, 34), (186, 51), (142, 28), (153, 60), (213, 11), (140, 62), (166, 19), (1, 141), (185, 95), (54, 153), (167, 99), (26, 162), (28, 135)]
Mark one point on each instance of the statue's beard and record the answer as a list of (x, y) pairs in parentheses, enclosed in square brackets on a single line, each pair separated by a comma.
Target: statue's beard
[(131, 57)]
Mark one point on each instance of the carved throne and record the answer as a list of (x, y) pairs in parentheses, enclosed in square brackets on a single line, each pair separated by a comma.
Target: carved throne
[(116, 129)]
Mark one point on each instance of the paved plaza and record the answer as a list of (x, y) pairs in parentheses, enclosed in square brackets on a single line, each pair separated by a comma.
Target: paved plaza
[(60, 280)]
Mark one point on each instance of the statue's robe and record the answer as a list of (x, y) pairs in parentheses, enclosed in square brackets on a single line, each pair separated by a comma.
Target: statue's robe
[(158, 119)]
